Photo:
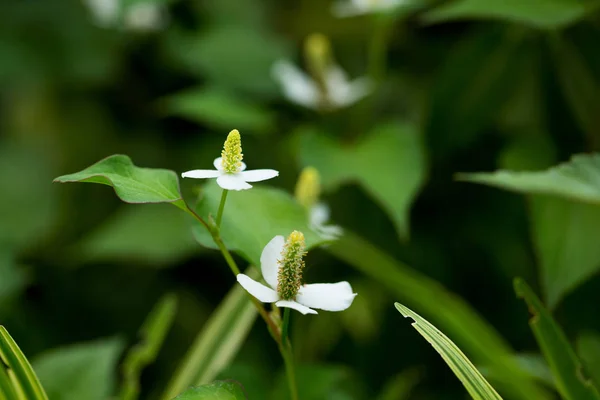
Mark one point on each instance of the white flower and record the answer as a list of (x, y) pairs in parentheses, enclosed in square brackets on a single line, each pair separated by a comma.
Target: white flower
[(139, 16), (281, 268), (350, 8), (339, 92), (318, 217), (230, 171)]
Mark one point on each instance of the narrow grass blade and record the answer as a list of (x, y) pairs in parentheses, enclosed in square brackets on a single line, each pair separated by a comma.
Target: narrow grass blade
[(217, 343), (152, 335), (566, 368), (470, 377), (25, 381), (456, 317)]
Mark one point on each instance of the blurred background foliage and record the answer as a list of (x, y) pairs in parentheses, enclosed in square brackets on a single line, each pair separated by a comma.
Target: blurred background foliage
[(462, 86)]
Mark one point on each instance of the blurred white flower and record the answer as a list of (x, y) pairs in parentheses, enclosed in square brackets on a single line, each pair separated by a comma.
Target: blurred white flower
[(338, 90), (281, 265), (229, 168), (141, 16), (350, 8), (318, 217)]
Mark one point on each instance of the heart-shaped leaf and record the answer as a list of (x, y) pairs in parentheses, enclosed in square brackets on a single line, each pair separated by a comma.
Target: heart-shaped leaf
[(389, 164), (219, 109), (252, 218), (132, 184), (547, 14)]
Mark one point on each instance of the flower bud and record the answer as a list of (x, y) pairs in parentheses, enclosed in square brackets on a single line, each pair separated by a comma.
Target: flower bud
[(308, 187)]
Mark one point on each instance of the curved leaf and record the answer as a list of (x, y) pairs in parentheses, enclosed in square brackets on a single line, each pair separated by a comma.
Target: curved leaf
[(217, 343), (568, 371), (470, 377), (132, 184), (24, 380), (484, 343), (547, 14), (578, 179), (152, 334)]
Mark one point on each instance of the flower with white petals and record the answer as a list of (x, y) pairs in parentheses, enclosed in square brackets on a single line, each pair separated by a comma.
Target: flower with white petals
[(281, 265), (350, 8), (329, 88), (318, 217), (338, 90), (230, 171), (140, 16), (307, 193)]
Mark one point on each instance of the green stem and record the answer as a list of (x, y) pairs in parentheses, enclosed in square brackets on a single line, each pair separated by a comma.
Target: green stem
[(285, 325), (288, 356), (378, 47), (221, 207)]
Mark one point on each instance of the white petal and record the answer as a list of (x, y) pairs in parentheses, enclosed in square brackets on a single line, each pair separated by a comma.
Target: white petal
[(257, 175), (232, 182), (297, 86), (326, 296), (296, 306), (358, 89), (342, 9), (319, 214), (218, 163), (257, 289), (268, 260), (329, 232), (201, 174)]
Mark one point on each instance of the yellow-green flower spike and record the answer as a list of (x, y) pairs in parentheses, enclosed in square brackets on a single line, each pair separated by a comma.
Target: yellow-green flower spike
[(308, 187), (291, 264), (317, 51), (232, 153)]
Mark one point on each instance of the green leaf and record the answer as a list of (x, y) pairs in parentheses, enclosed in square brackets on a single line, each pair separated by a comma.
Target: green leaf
[(132, 184), (252, 218), (578, 179), (479, 77), (389, 164), (579, 85), (218, 53), (570, 378), (565, 237), (152, 336), (484, 344), (545, 14), (214, 391), (217, 343), (470, 377), (220, 110), (23, 379), (80, 371), (131, 235), (588, 349)]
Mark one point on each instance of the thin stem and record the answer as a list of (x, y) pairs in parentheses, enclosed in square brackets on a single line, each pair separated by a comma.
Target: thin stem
[(221, 207), (285, 325), (287, 354), (216, 235)]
